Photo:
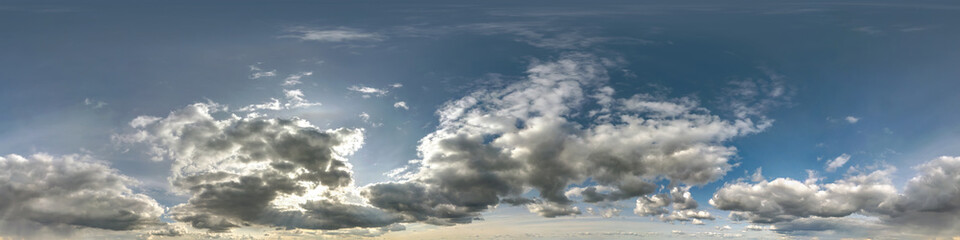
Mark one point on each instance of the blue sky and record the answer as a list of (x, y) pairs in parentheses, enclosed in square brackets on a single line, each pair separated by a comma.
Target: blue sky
[(869, 83)]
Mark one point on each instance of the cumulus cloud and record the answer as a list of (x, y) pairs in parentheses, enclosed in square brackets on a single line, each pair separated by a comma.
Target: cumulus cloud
[(61, 193), (560, 126), (333, 35), (785, 199), (401, 104), (929, 203), (683, 207), (273, 172), (837, 162)]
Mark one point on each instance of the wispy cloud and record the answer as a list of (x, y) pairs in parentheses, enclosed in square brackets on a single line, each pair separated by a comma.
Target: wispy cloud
[(294, 79), (333, 35), (837, 162), (260, 73), (294, 99), (95, 104), (368, 91)]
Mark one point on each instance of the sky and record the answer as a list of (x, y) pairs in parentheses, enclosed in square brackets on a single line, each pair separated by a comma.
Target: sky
[(493, 120)]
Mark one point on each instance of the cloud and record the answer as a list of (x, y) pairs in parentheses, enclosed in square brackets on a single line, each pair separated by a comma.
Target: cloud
[(679, 199), (929, 204), (272, 172), (396, 85), (333, 35), (294, 99), (839, 227), (837, 162), (401, 104), (294, 79), (785, 199), (169, 232), (559, 126), (851, 119), (67, 192), (367, 91), (366, 118), (931, 200), (757, 176), (94, 103), (259, 73), (869, 30)]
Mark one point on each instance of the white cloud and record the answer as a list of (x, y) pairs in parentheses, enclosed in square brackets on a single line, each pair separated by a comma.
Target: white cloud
[(396, 85), (851, 119), (293, 99), (94, 103), (274, 104), (757, 176), (334, 35), (259, 73), (401, 104), (294, 79), (366, 119), (368, 90), (837, 162)]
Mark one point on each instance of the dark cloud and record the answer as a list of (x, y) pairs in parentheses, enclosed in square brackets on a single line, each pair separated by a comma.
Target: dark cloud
[(63, 192)]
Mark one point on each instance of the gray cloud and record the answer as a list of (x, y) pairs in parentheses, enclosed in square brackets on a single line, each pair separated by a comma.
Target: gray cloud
[(786, 199), (559, 126), (683, 206), (63, 192), (333, 35), (929, 203), (241, 171)]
